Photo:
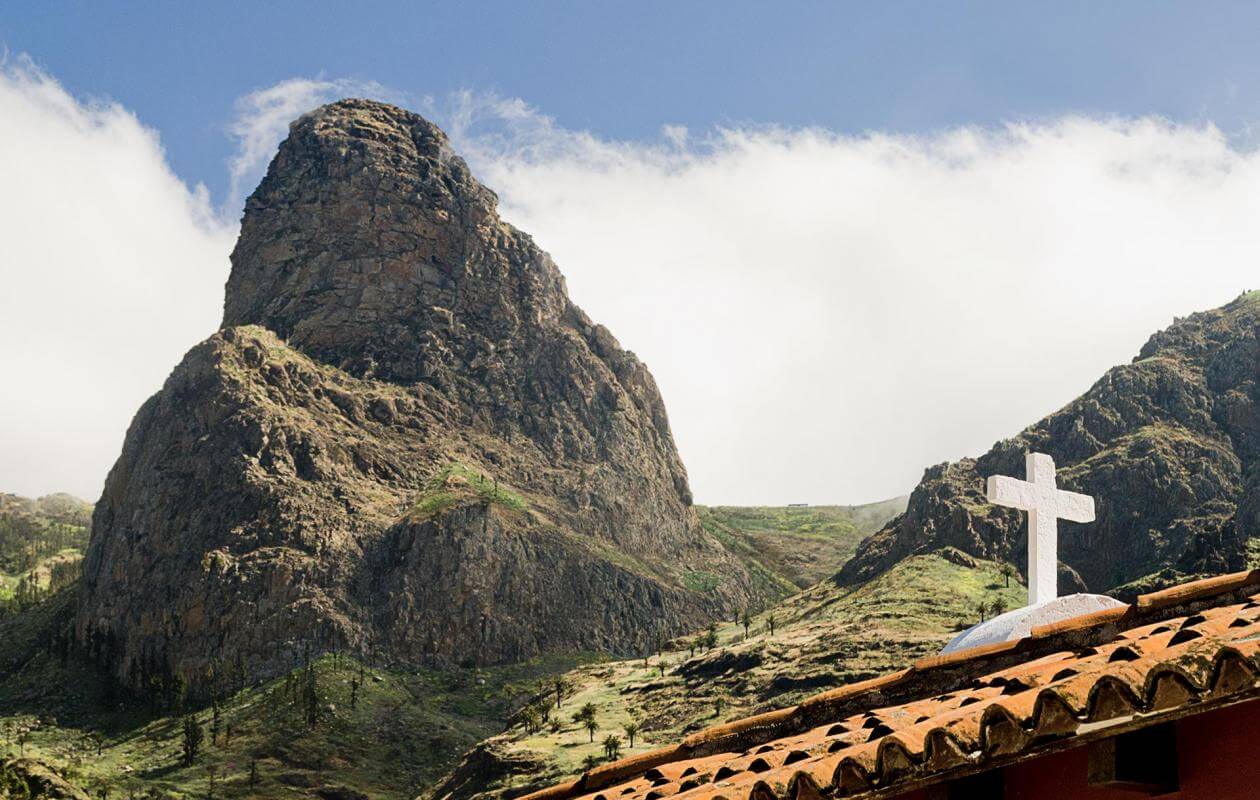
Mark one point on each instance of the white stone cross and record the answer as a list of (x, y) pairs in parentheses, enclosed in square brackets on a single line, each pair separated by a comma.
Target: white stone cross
[(1045, 504)]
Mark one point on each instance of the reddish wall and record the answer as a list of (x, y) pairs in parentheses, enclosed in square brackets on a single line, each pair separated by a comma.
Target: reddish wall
[(1218, 759)]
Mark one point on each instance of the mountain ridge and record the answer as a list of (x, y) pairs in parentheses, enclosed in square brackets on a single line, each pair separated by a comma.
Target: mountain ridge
[(1168, 444)]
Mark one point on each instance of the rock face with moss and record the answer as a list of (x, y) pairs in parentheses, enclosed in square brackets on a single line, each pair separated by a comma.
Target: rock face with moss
[(1169, 445), (405, 440)]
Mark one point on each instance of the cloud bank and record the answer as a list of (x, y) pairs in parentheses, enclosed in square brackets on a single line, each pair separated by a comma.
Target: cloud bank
[(828, 314), (111, 267), (825, 314)]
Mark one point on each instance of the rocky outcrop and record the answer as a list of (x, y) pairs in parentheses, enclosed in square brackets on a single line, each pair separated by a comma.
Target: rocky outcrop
[(405, 441), (1169, 445), (28, 779)]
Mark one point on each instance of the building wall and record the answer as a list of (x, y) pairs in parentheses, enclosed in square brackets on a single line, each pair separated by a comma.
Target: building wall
[(1218, 759)]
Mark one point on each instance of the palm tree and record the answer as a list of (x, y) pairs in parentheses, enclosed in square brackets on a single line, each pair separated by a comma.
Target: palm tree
[(531, 719), (1008, 572), (998, 605), (745, 620), (586, 712), (591, 726), (590, 762), (982, 608), (631, 729), (561, 686), (770, 620), (612, 746)]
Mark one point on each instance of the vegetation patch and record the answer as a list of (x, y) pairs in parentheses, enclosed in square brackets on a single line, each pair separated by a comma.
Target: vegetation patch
[(700, 581), (458, 483)]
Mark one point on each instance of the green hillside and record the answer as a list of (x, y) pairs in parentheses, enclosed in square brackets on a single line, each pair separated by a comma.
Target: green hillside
[(790, 548), (823, 637), (363, 732)]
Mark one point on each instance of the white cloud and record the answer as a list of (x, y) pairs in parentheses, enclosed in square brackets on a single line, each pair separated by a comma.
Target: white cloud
[(110, 269), (825, 314)]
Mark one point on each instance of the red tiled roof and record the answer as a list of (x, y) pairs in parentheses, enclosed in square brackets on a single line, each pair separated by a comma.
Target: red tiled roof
[(1171, 653)]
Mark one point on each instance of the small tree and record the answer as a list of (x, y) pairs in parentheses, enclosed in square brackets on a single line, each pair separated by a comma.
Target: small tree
[(216, 722), (745, 620), (718, 704), (1008, 572), (179, 691), (310, 696), (631, 729), (586, 712), (561, 686), (193, 737), (590, 762), (354, 693), (710, 637), (591, 726), (770, 620), (982, 608), (998, 605), (612, 746), (531, 719)]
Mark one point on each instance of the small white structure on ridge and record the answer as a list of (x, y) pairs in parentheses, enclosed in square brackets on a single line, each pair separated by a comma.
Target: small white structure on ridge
[(1046, 504)]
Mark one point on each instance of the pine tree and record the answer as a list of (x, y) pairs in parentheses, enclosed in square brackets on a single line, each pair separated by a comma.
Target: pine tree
[(193, 737), (216, 722), (311, 697)]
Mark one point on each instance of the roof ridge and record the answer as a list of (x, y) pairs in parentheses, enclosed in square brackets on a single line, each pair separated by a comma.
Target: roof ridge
[(743, 733)]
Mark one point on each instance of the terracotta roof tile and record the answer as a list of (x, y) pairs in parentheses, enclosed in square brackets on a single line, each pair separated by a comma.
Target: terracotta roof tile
[(1196, 646)]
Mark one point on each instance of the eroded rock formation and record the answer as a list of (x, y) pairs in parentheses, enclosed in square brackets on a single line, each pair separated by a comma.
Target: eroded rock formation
[(405, 440)]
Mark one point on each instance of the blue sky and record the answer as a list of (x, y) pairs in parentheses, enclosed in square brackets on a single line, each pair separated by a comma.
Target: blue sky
[(624, 70), (849, 240)]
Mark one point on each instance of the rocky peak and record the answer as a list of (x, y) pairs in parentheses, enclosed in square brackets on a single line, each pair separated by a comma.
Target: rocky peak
[(370, 245), (405, 441)]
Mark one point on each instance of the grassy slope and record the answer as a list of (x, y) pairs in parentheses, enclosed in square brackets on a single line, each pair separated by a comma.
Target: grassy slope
[(405, 730), (825, 636), (790, 548), (408, 727)]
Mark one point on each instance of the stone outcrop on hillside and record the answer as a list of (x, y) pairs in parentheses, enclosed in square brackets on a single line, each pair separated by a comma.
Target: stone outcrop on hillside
[(405, 440), (28, 779), (1169, 445)]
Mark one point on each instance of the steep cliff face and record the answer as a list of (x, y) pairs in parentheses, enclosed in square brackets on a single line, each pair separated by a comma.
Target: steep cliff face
[(404, 440), (1169, 445)]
